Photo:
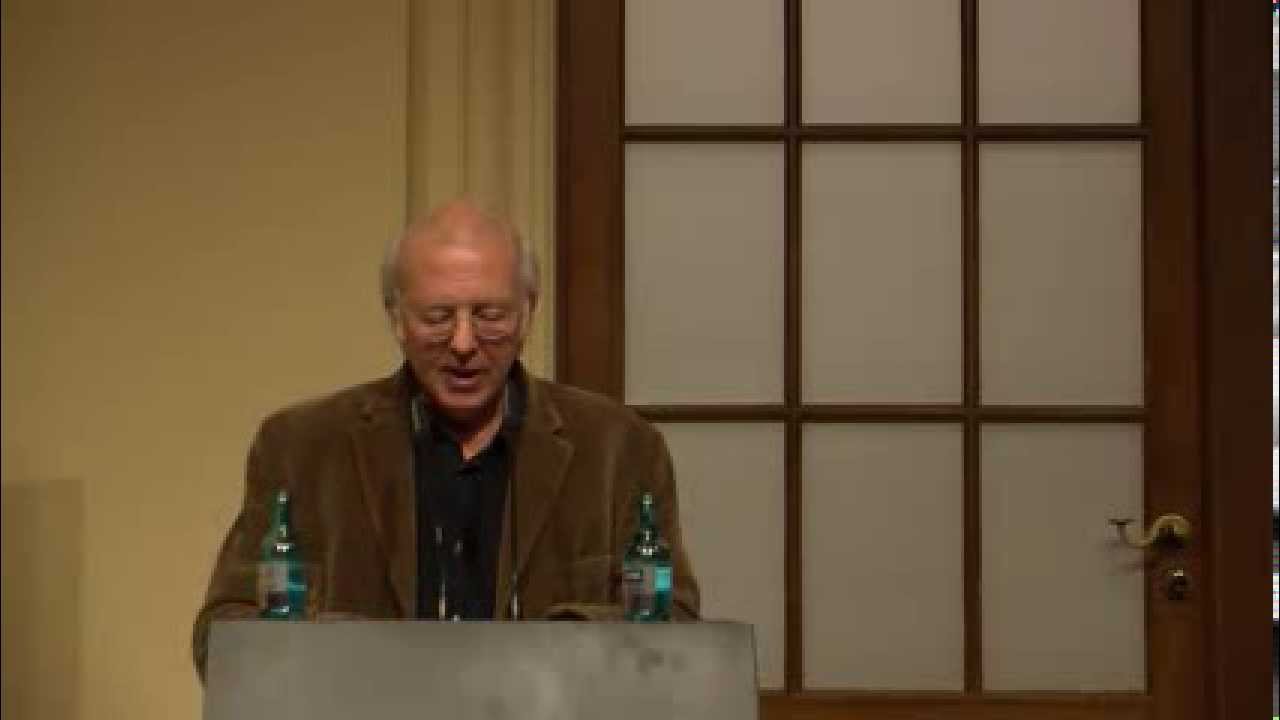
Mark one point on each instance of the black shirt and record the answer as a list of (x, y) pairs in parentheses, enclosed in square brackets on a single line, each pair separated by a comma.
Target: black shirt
[(460, 507)]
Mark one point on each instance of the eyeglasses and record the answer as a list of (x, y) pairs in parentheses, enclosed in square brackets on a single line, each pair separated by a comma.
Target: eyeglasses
[(490, 322)]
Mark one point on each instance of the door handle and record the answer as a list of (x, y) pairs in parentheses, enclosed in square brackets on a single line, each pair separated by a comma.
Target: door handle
[(1169, 528)]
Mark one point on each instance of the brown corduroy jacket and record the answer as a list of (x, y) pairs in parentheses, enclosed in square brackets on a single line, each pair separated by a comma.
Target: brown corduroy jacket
[(580, 462)]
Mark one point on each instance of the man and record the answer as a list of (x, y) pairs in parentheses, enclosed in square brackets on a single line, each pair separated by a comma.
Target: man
[(459, 487)]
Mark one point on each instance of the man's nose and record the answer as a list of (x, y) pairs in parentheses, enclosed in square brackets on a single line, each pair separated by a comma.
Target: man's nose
[(463, 341)]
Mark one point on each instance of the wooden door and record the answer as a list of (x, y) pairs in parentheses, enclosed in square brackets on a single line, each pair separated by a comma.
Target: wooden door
[(914, 292)]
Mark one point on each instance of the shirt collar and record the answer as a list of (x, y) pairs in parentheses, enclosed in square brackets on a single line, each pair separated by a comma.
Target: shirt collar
[(515, 403)]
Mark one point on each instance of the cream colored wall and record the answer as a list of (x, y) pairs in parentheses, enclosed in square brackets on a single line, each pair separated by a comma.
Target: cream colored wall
[(492, 64), (194, 199)]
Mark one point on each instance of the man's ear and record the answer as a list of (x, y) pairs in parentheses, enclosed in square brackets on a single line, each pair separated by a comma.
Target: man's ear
[(397, 326), (526, 322)]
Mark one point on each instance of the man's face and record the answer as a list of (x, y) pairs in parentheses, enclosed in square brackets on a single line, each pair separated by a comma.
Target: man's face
[(461, 323)]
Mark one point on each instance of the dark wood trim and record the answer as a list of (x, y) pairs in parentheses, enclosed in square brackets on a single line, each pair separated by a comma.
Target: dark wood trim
[(1059, 133), (1235, 114), (589, 251), (704, 133), (712, 413), (617, 182), (793, 257), (881, 133), (778, 133), (853, 697), (793, 570), (951, 706), (793, 551), (904, 413), (1013, 414), (971, 491), (1172, 332), (971, 553), (968, 63), (830, 413), (792, 78), (969, 207)]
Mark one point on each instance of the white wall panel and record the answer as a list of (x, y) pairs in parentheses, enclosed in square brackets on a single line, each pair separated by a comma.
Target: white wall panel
[(882, 274), (1062, 598), (880, 61), (732, 508), (1050, 61), (703, 273), (1061, 273), (703, 61), (883, 557)]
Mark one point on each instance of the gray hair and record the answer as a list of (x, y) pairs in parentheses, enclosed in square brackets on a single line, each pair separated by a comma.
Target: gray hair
[(526, 269)]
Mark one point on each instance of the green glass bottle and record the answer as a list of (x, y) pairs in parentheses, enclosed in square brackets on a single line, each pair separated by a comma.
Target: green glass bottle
[(646, 569), (282, 579)]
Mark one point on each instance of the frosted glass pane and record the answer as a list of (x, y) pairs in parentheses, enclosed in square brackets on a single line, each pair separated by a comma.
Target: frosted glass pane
[(1049, 61), (1061, 273), (704, 273), (1062, 599), (732, 506), (704, 61), (881, 61), (883, 557), (882, 278)]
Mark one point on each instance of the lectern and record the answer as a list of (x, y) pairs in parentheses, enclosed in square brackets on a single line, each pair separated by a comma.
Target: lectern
[(385, 670)]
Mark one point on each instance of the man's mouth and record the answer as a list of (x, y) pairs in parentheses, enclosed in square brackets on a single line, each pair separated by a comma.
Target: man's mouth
[(462, 378)]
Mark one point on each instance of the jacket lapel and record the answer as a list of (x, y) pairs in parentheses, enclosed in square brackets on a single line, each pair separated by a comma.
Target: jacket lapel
[(541, 461), (382, 451)]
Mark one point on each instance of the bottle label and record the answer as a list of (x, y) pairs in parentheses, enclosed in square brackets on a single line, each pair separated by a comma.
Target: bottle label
[(662, 578), (646, 590), (273, 583)]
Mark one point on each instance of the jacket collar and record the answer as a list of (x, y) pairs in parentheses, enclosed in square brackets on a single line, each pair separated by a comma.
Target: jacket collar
[(382, 448), (541, 461)]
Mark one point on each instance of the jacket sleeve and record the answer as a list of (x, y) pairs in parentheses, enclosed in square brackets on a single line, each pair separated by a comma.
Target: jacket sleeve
[(645, 467), (232, 591), (662, 483)]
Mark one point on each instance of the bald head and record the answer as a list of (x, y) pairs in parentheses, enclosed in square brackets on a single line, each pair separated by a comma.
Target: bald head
[(459, 289), (459, 224)]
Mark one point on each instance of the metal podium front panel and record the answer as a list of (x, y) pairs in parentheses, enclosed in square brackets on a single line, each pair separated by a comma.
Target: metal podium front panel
[(529, 670)]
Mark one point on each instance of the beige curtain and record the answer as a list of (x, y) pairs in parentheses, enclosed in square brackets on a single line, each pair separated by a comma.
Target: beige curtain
[(480, 102)]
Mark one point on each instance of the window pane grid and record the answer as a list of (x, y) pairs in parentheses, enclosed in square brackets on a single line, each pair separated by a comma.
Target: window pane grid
[(970, 413)]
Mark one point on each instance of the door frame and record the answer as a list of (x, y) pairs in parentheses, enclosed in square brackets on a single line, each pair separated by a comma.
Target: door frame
[(1234, 112)]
